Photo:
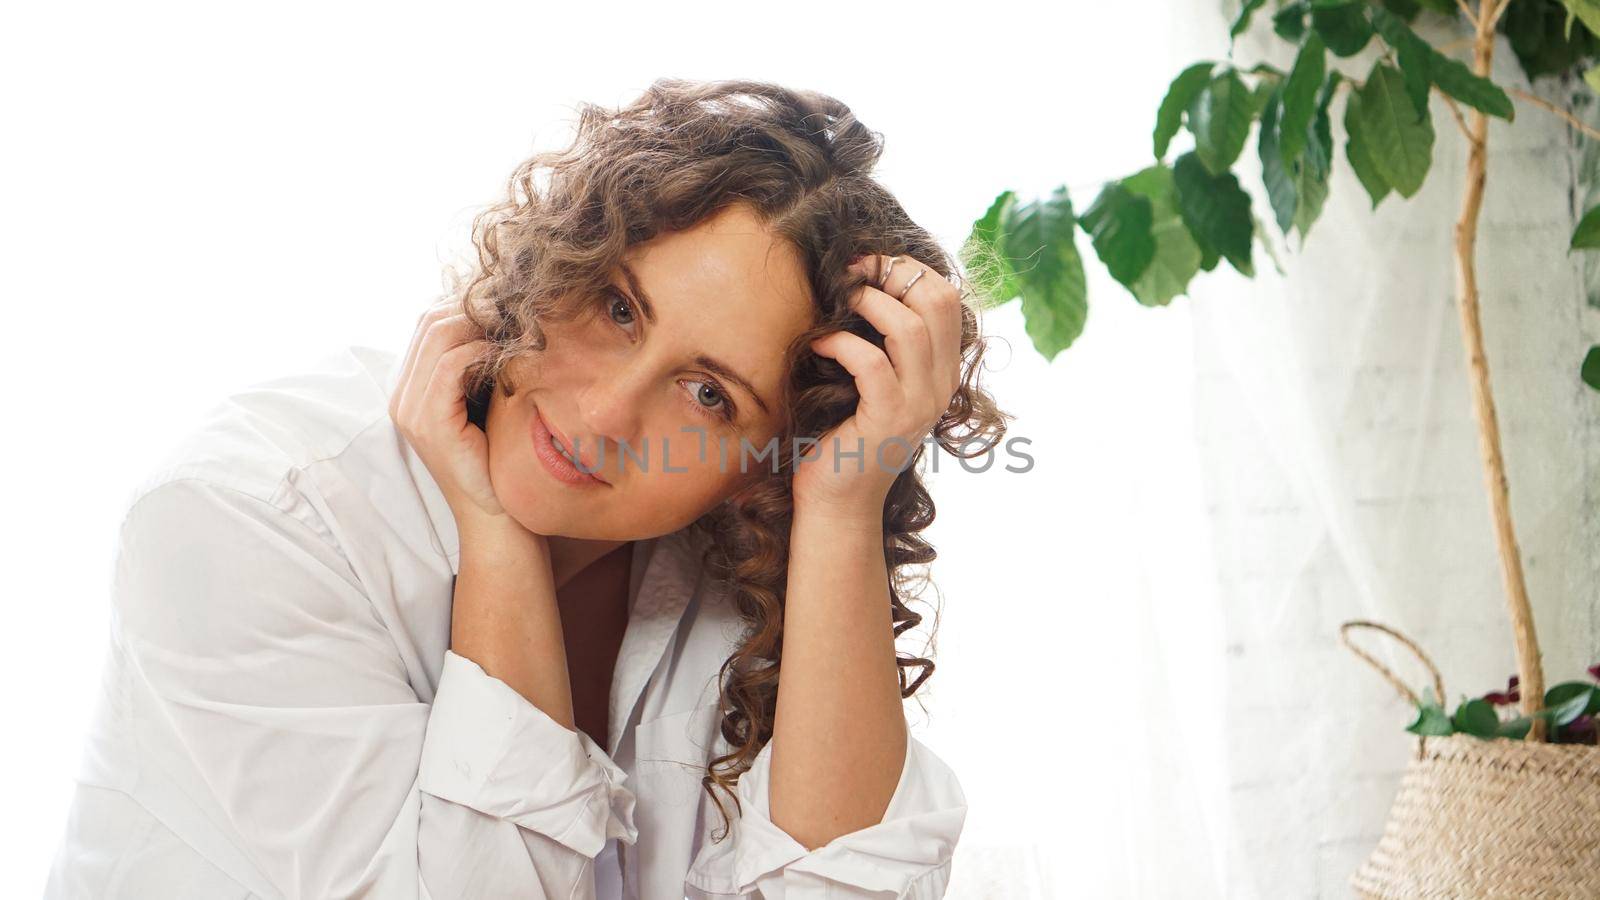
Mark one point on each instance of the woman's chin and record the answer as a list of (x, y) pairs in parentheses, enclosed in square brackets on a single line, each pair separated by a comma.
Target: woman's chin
[(544, 506), (557, 516)]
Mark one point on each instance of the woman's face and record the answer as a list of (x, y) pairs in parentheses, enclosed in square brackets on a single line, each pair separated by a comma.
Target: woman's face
[(685, 350)]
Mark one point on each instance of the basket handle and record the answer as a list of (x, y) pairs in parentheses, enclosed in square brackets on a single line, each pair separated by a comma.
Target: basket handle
[(1389, 676)]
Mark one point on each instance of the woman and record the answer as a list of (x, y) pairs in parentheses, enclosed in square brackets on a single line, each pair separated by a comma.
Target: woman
[(504, 617)]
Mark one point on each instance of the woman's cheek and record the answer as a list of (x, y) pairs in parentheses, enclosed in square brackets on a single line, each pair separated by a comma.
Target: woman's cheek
[(670, 499)]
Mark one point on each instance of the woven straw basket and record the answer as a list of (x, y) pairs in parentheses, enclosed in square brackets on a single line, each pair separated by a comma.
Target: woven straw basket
[(1481, 818)]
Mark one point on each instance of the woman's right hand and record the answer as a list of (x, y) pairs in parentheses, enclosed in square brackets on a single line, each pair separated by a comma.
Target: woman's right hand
[(430, 410), (504, 614)]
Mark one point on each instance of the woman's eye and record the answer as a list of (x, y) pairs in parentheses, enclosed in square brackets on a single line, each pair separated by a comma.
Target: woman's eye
[(711, 400), (708, 396), (621, 310)]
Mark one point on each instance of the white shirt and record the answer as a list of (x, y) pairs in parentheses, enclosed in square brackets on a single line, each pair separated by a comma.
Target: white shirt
[(281, 715)]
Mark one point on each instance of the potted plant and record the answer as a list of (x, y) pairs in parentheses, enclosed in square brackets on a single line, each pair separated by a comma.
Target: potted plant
[(1158, 228)]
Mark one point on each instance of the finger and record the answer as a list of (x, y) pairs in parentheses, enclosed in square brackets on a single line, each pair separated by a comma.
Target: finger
[(939, 304), (434, 313), (414, 376), (905, 337), (873, 373), (872, 265), (408, 363), (946, 315), (438, 338), (443, 401)]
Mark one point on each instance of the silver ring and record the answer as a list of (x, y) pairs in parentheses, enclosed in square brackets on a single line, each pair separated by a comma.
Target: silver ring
[(884, 281), (907, 289)]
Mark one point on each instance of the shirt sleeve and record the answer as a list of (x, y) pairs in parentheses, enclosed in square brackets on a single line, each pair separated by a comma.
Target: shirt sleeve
[(286, 707), (906, 855)]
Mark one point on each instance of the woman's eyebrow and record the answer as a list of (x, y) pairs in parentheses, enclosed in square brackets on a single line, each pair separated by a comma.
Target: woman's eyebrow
[(712, 365), (639, 294), (703, 361)]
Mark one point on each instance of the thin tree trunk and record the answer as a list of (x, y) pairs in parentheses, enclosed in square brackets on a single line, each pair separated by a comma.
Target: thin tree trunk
[(1530, 670)]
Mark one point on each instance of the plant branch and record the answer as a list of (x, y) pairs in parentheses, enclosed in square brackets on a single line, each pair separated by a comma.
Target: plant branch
[(1572, 120), (1494, 20), (1455, 110), (1467, 11), (1530, 670)]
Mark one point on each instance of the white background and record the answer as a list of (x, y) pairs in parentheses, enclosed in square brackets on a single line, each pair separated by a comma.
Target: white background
[(197, 197)]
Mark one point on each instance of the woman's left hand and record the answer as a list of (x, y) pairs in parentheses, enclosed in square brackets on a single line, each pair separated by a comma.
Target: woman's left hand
[(903, 392)]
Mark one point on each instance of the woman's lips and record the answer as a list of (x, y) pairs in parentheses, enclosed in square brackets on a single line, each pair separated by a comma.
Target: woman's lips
[(555, 462)]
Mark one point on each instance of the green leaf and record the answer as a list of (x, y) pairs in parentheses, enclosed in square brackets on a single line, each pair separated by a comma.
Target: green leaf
[(989, 271), (1316, 164), (1319, 141), (1591, 368), (1457, 80), (1184, 88), (1177, 256), (1290, 21), (1298, 186), (1568, 700), (1357, 151), (1155, 184), (1591, 77), (1176, 262), (1220, 118), (1477, 718), (1414, 56), (1431, 720), (1587, 235), (1399, 142), (1216, 210), (1515, 729), (1259, 96), (1279, 176), (1587, 11), (1344, 26), (1118, 223), (1311, 187), (1413, 59), (1406, 9), (1300, 96), (1039, 240), (1264, 238), (1424, 66), (1242, 22)]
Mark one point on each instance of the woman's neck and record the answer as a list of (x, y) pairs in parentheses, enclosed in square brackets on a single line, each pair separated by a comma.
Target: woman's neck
[(569, 556)]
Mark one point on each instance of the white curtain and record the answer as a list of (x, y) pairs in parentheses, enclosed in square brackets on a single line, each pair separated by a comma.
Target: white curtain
[(1220, 485), (1344, 481)]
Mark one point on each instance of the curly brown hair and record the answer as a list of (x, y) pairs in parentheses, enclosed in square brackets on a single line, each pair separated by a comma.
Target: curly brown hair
[(681, 152)]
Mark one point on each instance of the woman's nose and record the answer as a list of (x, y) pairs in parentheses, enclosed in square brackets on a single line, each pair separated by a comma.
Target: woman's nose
[(611, 404)]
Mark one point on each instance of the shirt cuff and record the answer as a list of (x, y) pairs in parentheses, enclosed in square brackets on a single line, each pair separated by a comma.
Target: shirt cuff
[(915, 841), (488, 748)]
